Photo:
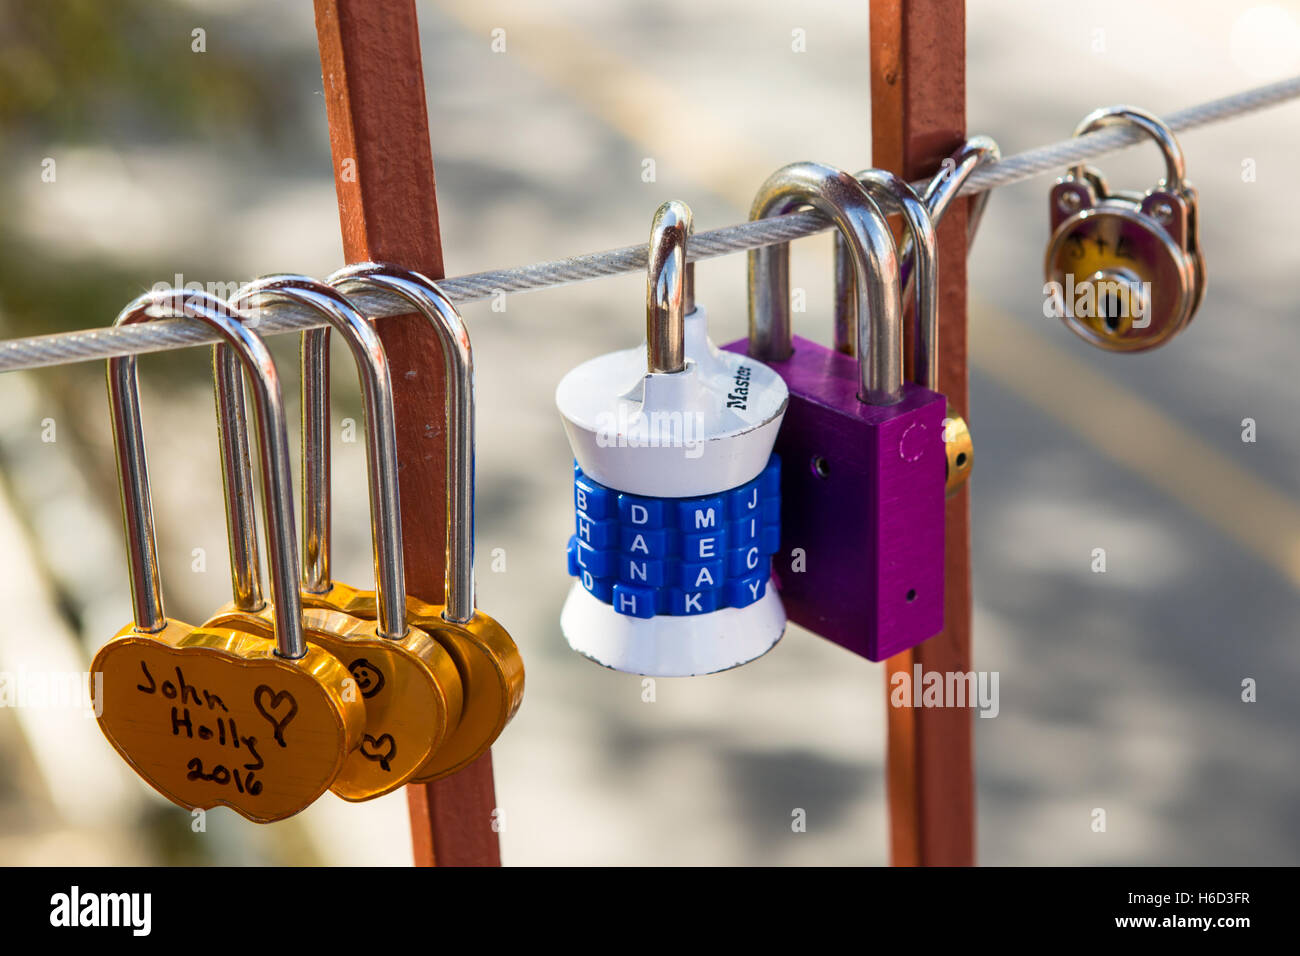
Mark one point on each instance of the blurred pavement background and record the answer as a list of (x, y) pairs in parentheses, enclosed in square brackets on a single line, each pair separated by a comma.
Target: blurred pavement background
[(1120, 691)]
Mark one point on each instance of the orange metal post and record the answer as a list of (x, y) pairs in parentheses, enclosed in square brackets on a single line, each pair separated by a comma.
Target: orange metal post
[(383, 170), (918, 117)]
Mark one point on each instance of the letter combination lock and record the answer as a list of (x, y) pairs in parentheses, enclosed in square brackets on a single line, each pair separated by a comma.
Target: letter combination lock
[(676, 489), (216, 715), (1125, 270)]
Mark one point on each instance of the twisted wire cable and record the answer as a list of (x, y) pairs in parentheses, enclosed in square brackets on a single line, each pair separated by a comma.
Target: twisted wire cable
[(65, 348)]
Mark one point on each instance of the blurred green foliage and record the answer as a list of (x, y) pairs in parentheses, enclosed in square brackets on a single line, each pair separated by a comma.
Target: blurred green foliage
[(119, 75), (71, 68)]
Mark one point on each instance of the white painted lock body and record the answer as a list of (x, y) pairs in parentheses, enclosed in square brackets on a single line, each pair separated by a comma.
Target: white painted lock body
[(695, 432), (704, 430)]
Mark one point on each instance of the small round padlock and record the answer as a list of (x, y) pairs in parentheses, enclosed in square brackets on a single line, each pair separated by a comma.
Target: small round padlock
[(676, 490), (1125, 270)]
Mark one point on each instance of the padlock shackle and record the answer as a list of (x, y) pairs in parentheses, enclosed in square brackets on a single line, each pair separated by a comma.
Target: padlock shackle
[(666, 288), (237, 481), (381, 442), (458, 370), (895, 196), (944, 186), (273, 443), (1149, 123), (875, 261), (941, 190)]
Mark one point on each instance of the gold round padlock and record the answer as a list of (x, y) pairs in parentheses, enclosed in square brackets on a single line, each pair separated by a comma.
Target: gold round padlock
[(1125, 270)]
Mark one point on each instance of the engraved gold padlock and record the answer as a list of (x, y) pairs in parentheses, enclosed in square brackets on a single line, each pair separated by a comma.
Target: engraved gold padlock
[(215, 716), (409, 683), (1125, 270), (491, 670)]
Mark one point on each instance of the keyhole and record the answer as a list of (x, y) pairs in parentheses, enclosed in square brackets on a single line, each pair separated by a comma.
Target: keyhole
[(1110, 308), (821, 467), (1110, 313)]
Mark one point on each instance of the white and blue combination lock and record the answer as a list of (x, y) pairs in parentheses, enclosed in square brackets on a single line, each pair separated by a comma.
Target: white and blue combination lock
[(676, 491)]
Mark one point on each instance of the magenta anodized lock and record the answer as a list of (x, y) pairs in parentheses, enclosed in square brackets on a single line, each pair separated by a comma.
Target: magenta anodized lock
[(861, 561)]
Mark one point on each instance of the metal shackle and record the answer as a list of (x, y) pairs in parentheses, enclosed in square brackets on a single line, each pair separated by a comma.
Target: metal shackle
[(273, 442), (947, 183), (1149, 123), (893, 195), (875, 261), (942, 189), (381, 444), (458, 370), (666, 288), (939, 194)]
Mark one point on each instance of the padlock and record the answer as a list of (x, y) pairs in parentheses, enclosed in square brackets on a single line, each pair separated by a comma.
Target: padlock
[(862, 486), (940, 191), (1125, 270), (491, 670), (410, 685), (676, 488), (214, 716)]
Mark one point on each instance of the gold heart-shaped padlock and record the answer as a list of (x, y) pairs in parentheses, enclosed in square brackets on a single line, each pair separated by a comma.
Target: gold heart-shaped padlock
[(213, 716), (490, 666), (409, 683)]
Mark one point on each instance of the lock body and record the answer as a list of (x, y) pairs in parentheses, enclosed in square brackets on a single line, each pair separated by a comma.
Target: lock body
[(861, 557), (213, 716), (1128, 268), (487, 663), (410, 687), (693, 573)]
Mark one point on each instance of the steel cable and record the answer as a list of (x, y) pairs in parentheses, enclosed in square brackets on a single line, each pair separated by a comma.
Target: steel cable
[(65, 348)]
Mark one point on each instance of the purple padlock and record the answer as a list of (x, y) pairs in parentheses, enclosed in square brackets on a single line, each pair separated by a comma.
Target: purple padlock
[(862, 480)]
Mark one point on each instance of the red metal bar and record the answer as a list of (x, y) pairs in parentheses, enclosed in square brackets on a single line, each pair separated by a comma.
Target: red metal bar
[(918, 117), (383, 170)]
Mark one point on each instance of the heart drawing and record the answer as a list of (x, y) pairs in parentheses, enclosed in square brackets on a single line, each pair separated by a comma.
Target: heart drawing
[(381, 750), (268, 702)]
